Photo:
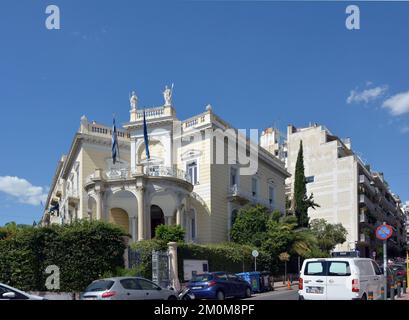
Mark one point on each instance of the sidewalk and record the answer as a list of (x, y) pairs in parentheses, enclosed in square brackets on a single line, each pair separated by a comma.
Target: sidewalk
[(403, 297), (279, 284)]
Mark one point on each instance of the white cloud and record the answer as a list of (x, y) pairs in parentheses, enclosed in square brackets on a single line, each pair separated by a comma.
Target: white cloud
[(397, 104), (404, 129), (23, 190), (366, 95)]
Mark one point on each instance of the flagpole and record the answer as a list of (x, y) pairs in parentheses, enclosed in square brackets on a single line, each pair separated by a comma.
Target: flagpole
[(146, 140)]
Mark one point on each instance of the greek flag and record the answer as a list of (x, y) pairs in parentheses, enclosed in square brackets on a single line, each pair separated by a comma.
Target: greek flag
[(145, 136), (115, 147)]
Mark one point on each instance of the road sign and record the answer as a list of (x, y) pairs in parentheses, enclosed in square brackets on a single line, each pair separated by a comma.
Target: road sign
[(254, 253), (384, 232)]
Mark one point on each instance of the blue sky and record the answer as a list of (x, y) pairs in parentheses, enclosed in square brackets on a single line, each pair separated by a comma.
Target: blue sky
[(257, 63)]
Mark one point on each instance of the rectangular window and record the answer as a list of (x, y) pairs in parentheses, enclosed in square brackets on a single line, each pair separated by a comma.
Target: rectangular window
[(271, 195), (233, 177), (309, 179), (254, 187), (192, 171), (193, 228)]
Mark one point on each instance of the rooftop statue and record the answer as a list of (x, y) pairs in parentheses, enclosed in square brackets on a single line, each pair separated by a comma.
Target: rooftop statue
[(167, 95), (133, 100)]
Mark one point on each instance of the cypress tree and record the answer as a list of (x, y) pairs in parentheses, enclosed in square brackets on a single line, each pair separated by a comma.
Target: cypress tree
[(300, 190)]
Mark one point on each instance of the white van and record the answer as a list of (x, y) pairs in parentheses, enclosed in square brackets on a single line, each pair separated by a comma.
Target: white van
[(340, 279)]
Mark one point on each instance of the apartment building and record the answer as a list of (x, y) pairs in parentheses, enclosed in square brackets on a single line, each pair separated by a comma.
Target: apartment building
[(346, 188)]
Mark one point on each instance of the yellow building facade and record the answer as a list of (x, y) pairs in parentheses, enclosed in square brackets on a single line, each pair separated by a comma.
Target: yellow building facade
[(181, 183)]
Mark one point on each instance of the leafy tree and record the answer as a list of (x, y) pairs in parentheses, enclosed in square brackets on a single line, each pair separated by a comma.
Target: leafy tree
[(250, 226), (169, 233), (328, 235), (11, 228), (301, 201)]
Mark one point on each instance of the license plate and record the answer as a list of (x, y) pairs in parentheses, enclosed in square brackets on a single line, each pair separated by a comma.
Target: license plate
[(196, 288), (90, 298), (315, 290)]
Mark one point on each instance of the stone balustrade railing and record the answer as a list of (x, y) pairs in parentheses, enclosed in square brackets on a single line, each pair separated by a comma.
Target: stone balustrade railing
[(149, 170), (151, 113)]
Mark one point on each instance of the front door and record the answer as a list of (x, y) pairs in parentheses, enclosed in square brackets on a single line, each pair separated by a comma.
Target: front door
[(157, 218)]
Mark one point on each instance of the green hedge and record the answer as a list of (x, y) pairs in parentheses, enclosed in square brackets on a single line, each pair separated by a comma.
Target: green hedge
[(83, 251), (229, 257)]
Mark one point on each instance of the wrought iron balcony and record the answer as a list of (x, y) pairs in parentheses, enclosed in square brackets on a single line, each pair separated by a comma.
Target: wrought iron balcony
[(236, 193)]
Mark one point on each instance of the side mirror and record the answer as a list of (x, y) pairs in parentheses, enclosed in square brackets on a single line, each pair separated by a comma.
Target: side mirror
[(159, 288), (9, 295)]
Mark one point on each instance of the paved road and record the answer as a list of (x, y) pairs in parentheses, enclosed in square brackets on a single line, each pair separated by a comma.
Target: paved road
[(280, 294)]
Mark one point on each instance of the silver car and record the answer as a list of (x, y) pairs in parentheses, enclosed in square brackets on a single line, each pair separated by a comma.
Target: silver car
[(10, 293), (126, 288)]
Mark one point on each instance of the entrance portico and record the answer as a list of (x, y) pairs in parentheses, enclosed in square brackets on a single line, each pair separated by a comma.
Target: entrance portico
[(139, 201)]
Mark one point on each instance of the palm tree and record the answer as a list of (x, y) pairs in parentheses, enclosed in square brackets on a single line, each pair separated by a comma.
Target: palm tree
[(303, 241)]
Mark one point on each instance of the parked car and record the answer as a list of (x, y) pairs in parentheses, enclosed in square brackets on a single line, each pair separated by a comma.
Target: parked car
[(219, 285), (10, 293), (340, 279), (126, 288)]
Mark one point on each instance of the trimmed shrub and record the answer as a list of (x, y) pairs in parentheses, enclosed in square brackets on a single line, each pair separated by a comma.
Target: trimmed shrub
[(83, 251), (169, 233)]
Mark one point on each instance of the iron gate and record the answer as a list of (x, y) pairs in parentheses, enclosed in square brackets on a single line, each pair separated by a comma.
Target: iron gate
[(160, 268)]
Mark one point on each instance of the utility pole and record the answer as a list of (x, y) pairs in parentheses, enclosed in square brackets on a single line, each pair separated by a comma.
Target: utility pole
[(385, 269)]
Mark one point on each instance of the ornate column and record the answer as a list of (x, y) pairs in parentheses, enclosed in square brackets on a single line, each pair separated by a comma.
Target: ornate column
[(99, 205), (133, 228), (168, 220), (141, 213), (178, 216), (173, 265)]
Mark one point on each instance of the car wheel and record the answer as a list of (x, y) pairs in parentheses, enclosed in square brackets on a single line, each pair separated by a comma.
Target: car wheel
[(247, 293), (364, 297), (172, 298), (220, 295)]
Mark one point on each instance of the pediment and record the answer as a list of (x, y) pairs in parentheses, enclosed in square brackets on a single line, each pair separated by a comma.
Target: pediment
[(191, 154)]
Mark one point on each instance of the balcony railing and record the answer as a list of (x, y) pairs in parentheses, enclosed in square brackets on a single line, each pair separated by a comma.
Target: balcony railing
[(162, 171), (155, 112), (365, 181), (364, 238), (152, 170), (237, 192), (363, 199)]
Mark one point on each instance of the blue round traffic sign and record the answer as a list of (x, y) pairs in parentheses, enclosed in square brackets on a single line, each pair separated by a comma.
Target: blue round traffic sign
[(384, 232)]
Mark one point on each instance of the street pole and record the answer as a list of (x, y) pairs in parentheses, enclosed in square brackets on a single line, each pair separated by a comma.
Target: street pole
[(385, 273), (407, 270), (255, 263)]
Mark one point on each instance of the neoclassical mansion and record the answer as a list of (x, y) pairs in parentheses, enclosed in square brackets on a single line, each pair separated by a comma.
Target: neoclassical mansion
[(179, 184)]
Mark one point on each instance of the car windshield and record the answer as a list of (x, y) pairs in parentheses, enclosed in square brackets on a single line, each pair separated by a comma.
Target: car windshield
[(202, 277), (100, 285)]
